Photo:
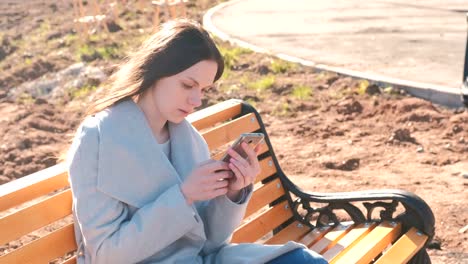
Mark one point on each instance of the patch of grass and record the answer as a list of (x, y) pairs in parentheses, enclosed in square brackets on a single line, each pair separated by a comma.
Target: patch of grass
[(322, 75), (27, 61), (94, 38), (228, 88), (109, 52), (69, 39), (245, 80), (391, 90), (226, 74), (282, 66), (25, 98), (44, 28), (231, 55), (340, 94), (282, 109), (260, 85), (362, 87), (82, 92), (130, 15), (302, 92), (88, 52), (251, 102)]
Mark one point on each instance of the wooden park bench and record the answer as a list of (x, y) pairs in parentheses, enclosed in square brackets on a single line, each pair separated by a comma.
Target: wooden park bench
[(387, 226)]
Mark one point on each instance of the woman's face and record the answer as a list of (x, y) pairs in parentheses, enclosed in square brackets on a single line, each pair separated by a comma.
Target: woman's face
[(178, 95)]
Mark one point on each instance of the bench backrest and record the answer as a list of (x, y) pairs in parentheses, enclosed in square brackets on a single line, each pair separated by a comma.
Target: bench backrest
[(43, 200)]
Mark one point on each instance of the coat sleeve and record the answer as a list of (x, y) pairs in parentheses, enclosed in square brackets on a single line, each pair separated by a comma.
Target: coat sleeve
[(109, 234), (221, 217)]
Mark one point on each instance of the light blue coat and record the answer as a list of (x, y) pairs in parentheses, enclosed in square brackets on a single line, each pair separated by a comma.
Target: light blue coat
[(127, 203)]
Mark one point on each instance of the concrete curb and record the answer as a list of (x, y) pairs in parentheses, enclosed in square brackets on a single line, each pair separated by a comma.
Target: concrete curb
[(446, 96)]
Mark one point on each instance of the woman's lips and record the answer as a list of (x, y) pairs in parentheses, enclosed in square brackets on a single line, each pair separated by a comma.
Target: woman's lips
[(184, 112)]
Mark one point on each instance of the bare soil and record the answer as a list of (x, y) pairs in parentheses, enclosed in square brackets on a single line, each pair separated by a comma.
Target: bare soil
[(347, 135)]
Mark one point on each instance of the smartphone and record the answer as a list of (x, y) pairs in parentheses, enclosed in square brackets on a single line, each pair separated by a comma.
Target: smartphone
[(253, 139)]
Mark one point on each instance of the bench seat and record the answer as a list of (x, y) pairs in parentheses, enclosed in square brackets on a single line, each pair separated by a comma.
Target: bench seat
[(383, 226)]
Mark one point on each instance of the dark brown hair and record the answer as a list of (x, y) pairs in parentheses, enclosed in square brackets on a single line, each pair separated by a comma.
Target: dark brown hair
[(175, 47)]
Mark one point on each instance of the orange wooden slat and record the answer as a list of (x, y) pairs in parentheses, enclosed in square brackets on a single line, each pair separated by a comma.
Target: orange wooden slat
[(71, 260), (314, 235), (293, 232), (332, 237), (230, 131), (32, 186), (404, 248), (22, 222), (372, 245), (262, 224), (46, 248), (264, 195), (347, 242), (267, 169), (211, 115)]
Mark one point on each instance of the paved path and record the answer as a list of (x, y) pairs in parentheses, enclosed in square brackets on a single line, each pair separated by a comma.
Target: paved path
[(419, 40)]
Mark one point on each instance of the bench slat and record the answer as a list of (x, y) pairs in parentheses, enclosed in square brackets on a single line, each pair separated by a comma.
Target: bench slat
[(314, 235), (264, 223), (404, 249), (268, 168), (32, 186), (230, 131), (71, 260), (51, 246), (372, 245), (292, 232), (264, 195), (214, 114), (22, 222), (347, 242), (332, 237)]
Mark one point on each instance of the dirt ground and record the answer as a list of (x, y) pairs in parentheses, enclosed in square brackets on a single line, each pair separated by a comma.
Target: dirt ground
[(329, 132)]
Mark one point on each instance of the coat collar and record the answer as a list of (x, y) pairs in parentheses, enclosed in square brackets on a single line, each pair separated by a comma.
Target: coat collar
[(132, 166)]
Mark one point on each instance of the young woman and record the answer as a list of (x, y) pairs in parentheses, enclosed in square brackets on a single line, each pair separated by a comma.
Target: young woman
[(144, 187)]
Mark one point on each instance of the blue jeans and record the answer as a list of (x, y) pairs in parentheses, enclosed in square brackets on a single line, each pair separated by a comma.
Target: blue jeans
[(299, 256)]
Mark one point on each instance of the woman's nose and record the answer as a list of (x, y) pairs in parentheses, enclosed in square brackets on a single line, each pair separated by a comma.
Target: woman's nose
[(195, 98)]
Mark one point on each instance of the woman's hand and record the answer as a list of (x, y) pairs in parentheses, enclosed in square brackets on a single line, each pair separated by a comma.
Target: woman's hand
[(207, 181), (245, 170)]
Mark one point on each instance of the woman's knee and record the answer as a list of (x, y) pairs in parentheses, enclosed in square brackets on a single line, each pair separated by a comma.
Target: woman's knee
[(300, 256), (312, 257)]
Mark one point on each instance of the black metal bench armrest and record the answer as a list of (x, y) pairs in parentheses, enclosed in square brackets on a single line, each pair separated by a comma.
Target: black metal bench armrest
[(416, 212)]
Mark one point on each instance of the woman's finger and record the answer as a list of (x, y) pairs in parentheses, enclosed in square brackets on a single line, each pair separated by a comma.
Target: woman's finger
[(243, 168), (237, 172), (208, 180), (218, 192), (219, 184), (250, 152), (234, 154), (220, 175), (253, 158), (214, 165), (257, 149)]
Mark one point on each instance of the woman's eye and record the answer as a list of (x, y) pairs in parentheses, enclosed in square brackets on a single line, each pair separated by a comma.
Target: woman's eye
[(187, 86)]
